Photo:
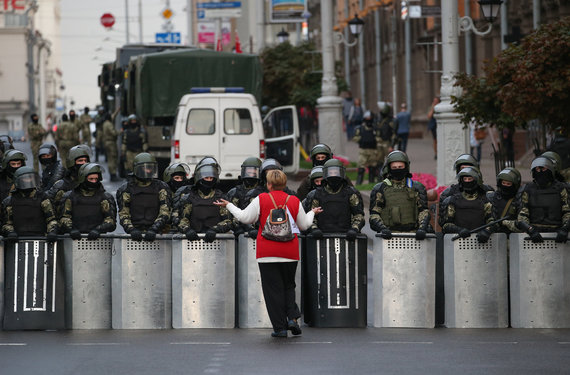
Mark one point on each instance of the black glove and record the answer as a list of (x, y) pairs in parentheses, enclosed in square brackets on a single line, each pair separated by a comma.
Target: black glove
[(483, 236), (464, 233), (561, 236), (93, 235), (191, 235), (12, 236), (421, 234), (210, 235), (386, 233), (252, 233), (51, 237), (136, 235), (75, 234), (150, 235), (239, 231), (317, 234), (535, 235), (351, 234)]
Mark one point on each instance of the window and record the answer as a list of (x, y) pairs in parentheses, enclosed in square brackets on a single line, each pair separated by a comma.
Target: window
[(278, 124), (237, 121), (200, 121)]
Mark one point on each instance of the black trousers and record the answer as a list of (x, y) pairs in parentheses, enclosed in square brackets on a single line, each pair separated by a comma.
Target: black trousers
[(278, 284)]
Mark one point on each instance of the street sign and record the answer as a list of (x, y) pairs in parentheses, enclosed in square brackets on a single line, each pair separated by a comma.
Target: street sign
[(107, 20), (219, 10), (415, 11), (172, 38), (167, 13), (431, 11)]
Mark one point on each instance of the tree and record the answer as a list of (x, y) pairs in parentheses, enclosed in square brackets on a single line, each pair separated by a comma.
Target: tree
[(524, 82), (292, 75)]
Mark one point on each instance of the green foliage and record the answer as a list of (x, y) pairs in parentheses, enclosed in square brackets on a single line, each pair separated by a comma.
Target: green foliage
[(524, 82), (292, 75)]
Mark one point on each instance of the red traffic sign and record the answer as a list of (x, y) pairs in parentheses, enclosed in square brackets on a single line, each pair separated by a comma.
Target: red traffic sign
[(107, 20)]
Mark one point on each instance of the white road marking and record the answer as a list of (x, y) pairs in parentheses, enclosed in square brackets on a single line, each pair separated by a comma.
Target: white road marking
[(403, 342), (97, 343), (200, 343), (13, 344), (310, 342)]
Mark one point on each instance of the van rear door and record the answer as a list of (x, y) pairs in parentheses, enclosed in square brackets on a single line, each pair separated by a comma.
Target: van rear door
[(281, 128)]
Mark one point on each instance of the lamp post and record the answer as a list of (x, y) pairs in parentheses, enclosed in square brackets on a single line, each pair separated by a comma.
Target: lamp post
[(282, 36), (330, 104), (452, 138)]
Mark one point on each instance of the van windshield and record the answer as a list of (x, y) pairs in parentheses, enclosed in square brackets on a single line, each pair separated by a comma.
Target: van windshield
[(201, 121), (237, 121)]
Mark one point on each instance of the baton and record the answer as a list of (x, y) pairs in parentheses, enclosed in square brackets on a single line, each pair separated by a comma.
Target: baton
[(481, 227)]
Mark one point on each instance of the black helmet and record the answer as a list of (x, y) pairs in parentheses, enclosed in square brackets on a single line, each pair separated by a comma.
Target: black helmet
[(48, 149), (209, 160), (87, 169), (465, 159), (76, 152), (316, 172), (250, 168), (269, 164), (470, 172), (333, 168), (206, 170), (12, 155), (321, 148), (176, 168), (543, 161), (145, 167), (398, 156), (7, 141), (26, 178), (511, 175)]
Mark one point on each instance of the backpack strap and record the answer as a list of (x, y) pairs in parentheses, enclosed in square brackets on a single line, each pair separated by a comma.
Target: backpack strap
[(273, 200), (275, 204)]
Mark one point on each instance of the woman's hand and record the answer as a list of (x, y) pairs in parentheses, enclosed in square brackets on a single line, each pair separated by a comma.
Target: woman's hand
[(221, 202), (317, 210)]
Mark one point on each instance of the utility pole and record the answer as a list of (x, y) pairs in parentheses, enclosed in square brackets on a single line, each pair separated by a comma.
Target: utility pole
[(189, 13), (140, 23), (127, 19)]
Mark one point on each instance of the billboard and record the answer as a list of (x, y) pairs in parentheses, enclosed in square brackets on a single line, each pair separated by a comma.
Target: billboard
[(286, 11)]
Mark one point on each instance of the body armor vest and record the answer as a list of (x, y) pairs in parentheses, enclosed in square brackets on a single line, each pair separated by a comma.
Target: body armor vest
[(469, 214), (367, 137), (86, 211), (544, 205), (28, 216), (401, 210), (336, 210), (145, 204), (205, 214), (133, 140)]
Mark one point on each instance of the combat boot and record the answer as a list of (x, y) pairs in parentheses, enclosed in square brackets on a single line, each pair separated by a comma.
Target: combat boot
[(360, 177), (371, 174)]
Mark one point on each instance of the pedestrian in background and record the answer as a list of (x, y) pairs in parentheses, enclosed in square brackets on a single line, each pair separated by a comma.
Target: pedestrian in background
[(110, 135), (84, 121), (477, 134), (347, 103), (277, 260), (52, 169), (432, 124), (66, 137), (135, 141), (355, 117), (369, 140), (403, 123), (36, 135)]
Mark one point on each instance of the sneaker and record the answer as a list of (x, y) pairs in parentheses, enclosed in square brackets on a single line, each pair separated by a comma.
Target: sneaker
[(279, 333), (293, 326)]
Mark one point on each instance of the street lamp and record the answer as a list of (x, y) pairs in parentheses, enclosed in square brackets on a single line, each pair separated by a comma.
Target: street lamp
[(283, 36), (355, 26), (490, 10)]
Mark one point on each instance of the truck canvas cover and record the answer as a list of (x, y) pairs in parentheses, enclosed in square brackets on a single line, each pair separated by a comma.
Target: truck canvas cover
[(161, 79)]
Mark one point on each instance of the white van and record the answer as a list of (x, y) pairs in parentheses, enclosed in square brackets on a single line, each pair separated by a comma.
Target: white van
[(227, 125)]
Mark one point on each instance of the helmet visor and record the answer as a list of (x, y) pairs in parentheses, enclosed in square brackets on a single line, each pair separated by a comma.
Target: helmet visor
[(333, 172), (206, 171), (146, 170), (249, 172), (27, 181)]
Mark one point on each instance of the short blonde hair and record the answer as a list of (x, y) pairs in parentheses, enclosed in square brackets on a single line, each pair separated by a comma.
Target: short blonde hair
[(277, 179)]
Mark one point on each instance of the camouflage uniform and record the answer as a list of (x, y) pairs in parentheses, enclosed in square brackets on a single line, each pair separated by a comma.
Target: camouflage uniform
[(188, 222), (66, 137), (108, 209), (452, 213), (354, 201), (135, 141), (8, 212), (110, 135), (369, 141), (36, 134), (84, 121)]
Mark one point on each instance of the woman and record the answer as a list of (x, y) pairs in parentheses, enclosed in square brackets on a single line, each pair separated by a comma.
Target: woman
[(277, 260)]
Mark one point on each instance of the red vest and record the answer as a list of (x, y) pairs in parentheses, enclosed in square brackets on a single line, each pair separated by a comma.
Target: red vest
[(268, 248)]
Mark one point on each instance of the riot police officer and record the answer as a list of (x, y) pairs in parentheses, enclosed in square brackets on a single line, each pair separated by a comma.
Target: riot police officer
[(266, 165), (544, 203), (316, 178), (88, 208), (52, 170), (343, 210), (469, 208), (557, 161), (135, 141), (177, 178), (144, 201), (66, 137), (77, 156), (199, 214), (560, 144), (110, 135), (319, 154), (398, 203), (36, 134), (85, 121), (504, 201), (368, 137), (249, 179), (27, 211), (13, 159)]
